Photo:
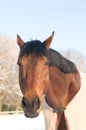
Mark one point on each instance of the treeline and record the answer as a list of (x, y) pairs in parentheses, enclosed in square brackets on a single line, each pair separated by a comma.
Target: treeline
[(10, 94)]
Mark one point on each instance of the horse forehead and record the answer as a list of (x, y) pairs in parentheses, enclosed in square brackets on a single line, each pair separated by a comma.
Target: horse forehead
[(31, 58)]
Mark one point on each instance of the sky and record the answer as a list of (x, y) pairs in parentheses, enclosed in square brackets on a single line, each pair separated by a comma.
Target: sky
[(36, 19)]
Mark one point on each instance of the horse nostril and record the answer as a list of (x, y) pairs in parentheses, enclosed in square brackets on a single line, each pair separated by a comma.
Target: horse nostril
[(24, 102), (31, 105), (36, 103)]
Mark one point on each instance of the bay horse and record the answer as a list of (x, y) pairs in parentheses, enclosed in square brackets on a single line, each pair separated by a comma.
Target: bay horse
[(44, 72)]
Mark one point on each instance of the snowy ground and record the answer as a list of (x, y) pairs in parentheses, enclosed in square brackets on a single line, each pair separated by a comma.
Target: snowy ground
[(20, 122)]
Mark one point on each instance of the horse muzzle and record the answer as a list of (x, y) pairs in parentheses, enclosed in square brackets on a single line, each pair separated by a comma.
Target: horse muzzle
[(31, 107)]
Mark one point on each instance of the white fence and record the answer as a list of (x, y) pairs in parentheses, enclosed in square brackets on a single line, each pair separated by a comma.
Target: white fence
[(10, 112)]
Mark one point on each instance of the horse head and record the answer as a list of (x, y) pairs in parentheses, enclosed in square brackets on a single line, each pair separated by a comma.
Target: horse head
[(33, 73)]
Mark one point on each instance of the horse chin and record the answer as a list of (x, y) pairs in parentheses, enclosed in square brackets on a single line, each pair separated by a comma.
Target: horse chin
[(28, 115)]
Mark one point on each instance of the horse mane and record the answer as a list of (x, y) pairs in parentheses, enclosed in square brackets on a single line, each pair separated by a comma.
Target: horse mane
[(56, 59), (37, 48)]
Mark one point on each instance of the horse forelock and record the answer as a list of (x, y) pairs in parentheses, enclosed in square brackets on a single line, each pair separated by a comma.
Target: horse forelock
[(35, 47)]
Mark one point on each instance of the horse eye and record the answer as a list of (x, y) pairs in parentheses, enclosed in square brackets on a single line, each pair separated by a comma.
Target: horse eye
[(19, 64), (47, 63)]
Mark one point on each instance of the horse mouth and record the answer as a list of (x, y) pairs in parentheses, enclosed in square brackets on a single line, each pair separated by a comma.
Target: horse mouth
[(28, 115)]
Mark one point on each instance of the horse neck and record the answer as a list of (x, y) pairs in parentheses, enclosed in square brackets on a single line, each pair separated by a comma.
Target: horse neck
[(56, 89)]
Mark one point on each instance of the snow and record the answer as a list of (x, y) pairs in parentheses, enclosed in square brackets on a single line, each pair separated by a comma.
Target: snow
[(20, 122)]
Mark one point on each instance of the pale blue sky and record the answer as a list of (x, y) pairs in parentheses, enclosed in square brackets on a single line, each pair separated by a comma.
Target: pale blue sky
[(37, 19)]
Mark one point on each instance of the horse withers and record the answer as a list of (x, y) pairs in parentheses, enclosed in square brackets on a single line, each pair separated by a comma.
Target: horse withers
[(43, 72)]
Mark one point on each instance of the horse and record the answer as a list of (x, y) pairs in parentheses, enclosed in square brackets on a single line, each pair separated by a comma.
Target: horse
[(75, 111), (45, 74)]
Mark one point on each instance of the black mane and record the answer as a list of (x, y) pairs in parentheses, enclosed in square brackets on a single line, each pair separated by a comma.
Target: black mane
[(65, 65), (37, 48)]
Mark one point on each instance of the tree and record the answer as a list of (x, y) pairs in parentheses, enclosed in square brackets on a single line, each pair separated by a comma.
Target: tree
[(9, 72)]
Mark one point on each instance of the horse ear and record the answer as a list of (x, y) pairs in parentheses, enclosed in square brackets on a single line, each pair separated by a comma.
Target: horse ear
[(20, 41), (48, 41)]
